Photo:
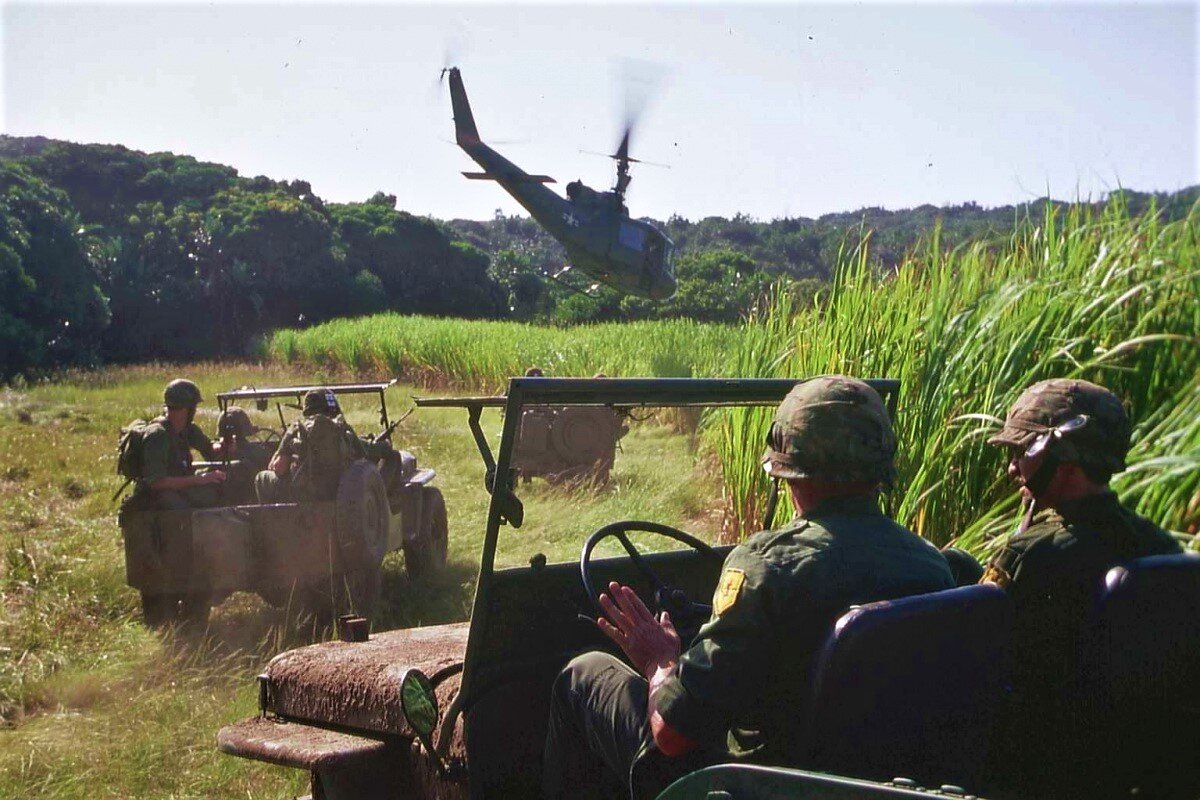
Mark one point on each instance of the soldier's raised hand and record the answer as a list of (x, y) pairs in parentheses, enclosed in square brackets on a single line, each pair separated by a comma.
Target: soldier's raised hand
[(648, 642)]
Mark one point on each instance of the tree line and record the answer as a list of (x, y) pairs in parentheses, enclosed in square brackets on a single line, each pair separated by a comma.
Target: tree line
[(113, 255)]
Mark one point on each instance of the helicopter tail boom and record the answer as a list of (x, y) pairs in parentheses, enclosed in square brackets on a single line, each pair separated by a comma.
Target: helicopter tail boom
[(487, 176), (465, 132)]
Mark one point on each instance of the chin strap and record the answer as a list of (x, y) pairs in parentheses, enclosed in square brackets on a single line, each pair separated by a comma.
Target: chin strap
[(772, 503), (1037, 484)]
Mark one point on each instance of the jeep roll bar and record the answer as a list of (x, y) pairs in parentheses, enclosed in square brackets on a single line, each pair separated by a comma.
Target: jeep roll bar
[(261, 397)]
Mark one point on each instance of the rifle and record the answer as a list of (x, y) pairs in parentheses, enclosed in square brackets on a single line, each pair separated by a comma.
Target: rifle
[(387, 432)]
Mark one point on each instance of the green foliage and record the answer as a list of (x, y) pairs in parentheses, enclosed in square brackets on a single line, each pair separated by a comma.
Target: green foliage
[(420, 270), (1073, 292), (483, 354), (51, 309), (196, 261), (714, 286)]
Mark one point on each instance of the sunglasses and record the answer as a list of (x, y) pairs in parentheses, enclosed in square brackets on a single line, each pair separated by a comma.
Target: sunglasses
[(1043, 441)]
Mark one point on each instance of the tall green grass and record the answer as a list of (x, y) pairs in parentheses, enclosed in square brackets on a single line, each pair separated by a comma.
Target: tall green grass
[(1082, 293), (484, 354)]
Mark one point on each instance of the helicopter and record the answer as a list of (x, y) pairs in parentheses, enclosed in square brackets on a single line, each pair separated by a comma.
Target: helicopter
[(602, 241)]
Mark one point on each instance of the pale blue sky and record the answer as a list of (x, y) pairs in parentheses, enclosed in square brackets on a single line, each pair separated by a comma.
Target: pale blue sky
[(769, 110)]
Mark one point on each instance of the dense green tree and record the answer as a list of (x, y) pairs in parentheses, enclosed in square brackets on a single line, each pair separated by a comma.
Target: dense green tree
[(713, 286), (285, 243), (421, 269), (51, 307)]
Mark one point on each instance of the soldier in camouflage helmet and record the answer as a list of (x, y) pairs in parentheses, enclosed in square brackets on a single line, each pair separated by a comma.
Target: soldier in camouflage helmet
[(246, 456), (312, 454), (167, 476), (1065, 439), (741, 684)]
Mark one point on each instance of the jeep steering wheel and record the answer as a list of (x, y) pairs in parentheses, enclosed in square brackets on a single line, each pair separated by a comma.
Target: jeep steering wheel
[(667, 598)]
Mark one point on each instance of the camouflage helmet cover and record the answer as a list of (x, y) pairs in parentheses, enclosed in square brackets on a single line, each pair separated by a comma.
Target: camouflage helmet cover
[(1104, 441), (235, 420), (320, 401), (834, 428), (182, 393)]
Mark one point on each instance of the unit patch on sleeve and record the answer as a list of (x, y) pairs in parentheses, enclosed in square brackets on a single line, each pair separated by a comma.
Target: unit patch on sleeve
[(997, 575), (728, 590)]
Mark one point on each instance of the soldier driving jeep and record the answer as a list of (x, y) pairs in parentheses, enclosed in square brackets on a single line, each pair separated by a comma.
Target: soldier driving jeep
[(670, 709), (243, 456)]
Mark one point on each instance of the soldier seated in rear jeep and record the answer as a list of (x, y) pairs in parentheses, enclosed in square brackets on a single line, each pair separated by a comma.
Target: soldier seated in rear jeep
[(314, 452)]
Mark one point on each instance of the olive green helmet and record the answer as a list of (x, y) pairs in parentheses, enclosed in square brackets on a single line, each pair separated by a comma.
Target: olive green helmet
[(833, 428), (182, 393), (235, 420), (320, 401), (1102, 442)]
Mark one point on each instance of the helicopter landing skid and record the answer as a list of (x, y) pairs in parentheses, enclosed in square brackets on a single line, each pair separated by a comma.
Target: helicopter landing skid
[(557, 277)]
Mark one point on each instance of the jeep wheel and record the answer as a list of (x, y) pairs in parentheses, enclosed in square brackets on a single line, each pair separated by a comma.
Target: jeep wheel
[(363, 517), (426, 553), (159, 609)]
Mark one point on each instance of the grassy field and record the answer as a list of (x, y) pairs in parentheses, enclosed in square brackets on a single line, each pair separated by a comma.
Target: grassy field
[(484, 354), (95, 705)]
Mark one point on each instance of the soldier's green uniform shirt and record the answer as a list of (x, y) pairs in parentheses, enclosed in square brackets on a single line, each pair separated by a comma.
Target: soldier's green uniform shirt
[(292, 443), (746, 673), (168, 455), (1054, 572)]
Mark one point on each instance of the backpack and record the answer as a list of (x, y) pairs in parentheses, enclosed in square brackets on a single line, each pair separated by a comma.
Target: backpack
[(326, 452), (129, 448), (129, 452)]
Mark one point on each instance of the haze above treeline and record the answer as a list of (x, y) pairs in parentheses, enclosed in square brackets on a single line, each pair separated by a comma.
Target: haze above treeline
[(113, 255)]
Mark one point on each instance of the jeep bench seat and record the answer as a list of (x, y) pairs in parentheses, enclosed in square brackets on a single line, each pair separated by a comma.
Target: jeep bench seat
[(912, 687), (336, 704)]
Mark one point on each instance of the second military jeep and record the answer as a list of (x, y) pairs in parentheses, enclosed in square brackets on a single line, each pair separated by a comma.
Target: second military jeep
[(322, 557)]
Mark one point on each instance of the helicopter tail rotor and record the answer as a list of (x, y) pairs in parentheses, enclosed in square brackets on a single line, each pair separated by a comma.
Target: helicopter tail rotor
[(465, 132)]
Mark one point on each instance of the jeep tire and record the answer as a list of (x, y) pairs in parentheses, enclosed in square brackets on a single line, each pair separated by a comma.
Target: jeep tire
[(426, 552), (363, 516)]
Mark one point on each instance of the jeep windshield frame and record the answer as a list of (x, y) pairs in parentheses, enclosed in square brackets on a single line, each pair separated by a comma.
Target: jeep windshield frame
[(262, 397), (620, 394)]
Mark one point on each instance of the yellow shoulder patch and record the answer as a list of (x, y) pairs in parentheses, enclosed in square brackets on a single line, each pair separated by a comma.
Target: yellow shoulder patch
[(996, 575), (728, 590)]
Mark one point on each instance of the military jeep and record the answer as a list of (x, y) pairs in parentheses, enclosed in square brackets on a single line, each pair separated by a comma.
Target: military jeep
[(568, 443), (901, 688), (318, 557)]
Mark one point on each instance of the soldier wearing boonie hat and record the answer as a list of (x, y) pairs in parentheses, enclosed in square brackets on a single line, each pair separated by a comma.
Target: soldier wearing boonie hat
[(778, 596), (1066, 439)]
